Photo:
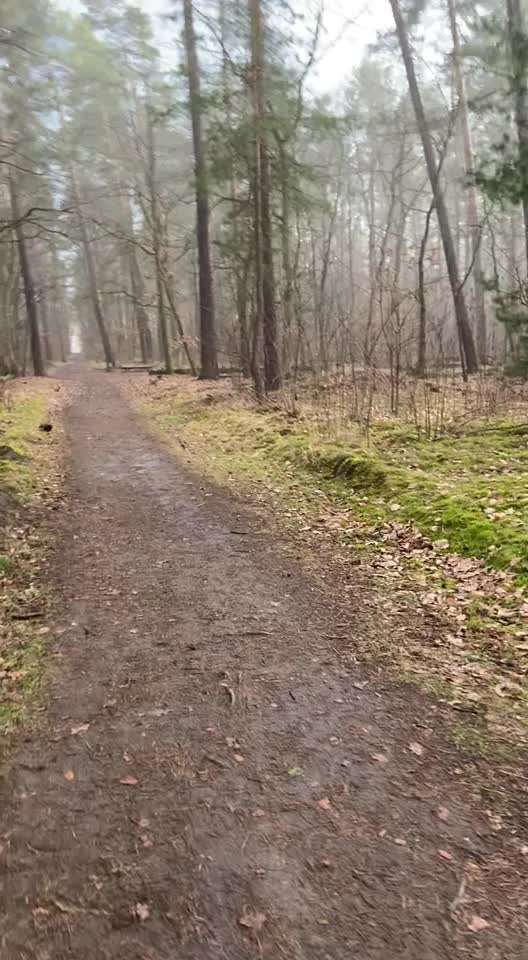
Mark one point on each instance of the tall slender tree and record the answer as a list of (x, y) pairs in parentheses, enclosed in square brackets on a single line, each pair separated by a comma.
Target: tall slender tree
[(209, 361), (265, 277), (467, 343), (37, 357), (518, 48), (92, 272), (163, 333), (472, 204)]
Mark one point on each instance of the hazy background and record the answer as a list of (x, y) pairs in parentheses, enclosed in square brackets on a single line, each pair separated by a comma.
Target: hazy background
[(349, 26)]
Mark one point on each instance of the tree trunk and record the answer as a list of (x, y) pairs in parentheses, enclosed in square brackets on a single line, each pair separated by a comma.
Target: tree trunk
[(257, 241), (44, 325), (178, 324), (137, 286), (241, 306), (369, 199), (262, 221), (209, 361), (518, 54), (142, 320), (92, 275), (472, 206), (287, 286), (163, 336), (58, 308), (29, 290), (467, 343), (422, 306)]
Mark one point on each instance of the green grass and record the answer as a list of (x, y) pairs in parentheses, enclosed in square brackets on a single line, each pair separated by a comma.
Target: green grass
[(19, 430), (24, 662), (471, 491), (23, 646)]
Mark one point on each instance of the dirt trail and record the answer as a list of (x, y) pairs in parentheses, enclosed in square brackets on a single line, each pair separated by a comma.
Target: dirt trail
[(220, 716)]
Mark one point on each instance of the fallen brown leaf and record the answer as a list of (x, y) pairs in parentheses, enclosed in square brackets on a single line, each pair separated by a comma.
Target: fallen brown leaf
[(142, 911), (82, 728), (40, 912), (253, 921), (445, 855), (230, 693)]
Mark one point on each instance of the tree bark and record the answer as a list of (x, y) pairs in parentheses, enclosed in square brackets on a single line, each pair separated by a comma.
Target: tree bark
[(209, 360), (467, 343), (45, 330), (29, 290), (422, 306), (163, 335), (178, 324), (472, 205), (131, 266), (138, 291), (287, 286), (265, 296), (520, 88), (92, 275), (241, 282), (62, 335)]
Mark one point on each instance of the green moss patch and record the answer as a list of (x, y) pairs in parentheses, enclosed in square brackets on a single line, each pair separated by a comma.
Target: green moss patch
[(470, 491)]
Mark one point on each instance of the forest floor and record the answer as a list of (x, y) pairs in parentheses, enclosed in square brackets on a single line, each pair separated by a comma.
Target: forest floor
[(214, 774), (437, 528), (31, 485)]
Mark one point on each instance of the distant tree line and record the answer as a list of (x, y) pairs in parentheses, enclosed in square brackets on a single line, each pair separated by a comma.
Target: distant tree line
[(202, 207)]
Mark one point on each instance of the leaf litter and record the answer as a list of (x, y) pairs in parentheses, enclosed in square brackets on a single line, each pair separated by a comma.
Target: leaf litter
[(476, 924), (141, 911), (82, 728), (253, 920)]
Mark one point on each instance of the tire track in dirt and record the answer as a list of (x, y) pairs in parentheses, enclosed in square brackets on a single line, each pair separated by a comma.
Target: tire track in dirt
[(232, 788)]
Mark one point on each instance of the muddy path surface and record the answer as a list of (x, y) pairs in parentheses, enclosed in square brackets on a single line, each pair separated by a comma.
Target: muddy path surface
[(211, 780)]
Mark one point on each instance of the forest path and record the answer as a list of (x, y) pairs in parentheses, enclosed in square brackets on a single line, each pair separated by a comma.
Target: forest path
[(239, 792)]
